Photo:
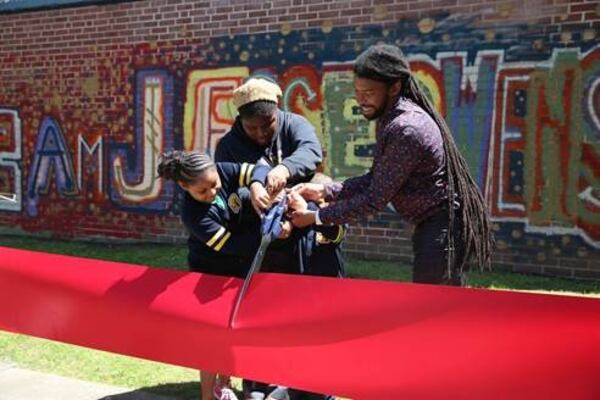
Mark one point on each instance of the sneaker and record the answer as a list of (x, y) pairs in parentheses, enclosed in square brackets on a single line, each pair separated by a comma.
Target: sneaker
[(279, 393), (224, 392), (256, 396)]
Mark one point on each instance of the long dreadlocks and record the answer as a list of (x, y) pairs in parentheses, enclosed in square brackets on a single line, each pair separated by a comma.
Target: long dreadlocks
[(386, 63)]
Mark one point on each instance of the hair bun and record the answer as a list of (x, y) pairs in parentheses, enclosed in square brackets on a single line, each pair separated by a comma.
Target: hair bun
[(170, 165)]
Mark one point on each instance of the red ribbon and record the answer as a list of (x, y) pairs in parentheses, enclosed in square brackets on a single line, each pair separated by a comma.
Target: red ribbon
[(354, 338)]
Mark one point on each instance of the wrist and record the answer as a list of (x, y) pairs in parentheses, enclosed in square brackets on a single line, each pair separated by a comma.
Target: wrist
[(284, 169), (323, 191), (253, 185)]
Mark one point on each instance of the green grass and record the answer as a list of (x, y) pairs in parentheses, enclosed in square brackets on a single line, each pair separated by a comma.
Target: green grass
[(489, 279), (98, 366), (542, 284), (157, 255)]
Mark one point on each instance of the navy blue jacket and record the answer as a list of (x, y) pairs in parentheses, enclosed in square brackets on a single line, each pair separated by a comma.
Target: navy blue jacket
[(294, 145), (224, 234)]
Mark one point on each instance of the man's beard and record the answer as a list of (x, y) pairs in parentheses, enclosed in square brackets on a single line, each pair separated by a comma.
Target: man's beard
[(379, 112)]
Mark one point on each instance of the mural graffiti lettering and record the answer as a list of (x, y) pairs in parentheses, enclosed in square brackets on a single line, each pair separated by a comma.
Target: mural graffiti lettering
[(52, 159), (94, 152), (209, 111), (530, 132), (134, 179), (546, 157), (10, 155)]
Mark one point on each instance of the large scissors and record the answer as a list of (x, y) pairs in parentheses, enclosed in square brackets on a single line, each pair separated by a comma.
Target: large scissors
[(270, 230)]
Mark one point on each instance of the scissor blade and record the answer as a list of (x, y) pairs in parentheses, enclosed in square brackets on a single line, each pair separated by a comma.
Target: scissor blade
[(254, 268)]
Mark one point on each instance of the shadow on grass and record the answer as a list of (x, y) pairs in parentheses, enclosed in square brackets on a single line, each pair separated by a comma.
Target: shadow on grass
[(171, 391)]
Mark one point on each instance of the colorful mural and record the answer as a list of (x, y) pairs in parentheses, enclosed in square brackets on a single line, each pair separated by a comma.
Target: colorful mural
[(546, 152), (528, 123)]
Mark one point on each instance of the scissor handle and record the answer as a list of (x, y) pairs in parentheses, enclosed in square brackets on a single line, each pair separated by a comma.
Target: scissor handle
[(271, 223)]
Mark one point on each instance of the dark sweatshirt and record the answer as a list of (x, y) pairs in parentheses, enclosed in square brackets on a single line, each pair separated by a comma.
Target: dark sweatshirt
[(224, 234), (294, 145)]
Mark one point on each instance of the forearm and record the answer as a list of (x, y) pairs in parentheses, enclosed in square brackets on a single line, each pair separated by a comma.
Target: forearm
[(306, 154), (302, 163), (343, 190), (347, 210)]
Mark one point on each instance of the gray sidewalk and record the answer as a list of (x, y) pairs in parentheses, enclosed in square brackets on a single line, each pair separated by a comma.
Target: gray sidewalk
[(21, 384)]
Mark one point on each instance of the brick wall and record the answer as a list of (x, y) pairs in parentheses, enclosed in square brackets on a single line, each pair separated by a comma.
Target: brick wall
[(89, 96)]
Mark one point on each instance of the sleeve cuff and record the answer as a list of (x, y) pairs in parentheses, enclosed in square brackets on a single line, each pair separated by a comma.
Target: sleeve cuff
[(259, 174), (332, 190), (290, 168)]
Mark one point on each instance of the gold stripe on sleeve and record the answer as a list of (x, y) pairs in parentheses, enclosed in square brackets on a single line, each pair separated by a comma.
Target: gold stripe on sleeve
[(249, 174), (222, 242), (340, 235), (243, 175), (216, 237)]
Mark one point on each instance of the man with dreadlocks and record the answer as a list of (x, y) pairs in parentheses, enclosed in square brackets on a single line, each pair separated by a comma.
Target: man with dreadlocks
[(416, 167)]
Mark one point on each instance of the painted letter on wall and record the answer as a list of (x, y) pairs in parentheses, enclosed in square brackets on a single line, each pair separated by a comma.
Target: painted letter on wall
[(209, 112), (93, 152), (134, 181), (10, 156), (51, 158)]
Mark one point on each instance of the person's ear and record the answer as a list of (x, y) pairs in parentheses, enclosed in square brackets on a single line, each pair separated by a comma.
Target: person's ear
[(394, 89), (184, 185)]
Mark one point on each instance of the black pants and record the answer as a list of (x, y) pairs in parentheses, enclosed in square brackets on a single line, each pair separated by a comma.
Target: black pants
[(294, 394), (430, 248)]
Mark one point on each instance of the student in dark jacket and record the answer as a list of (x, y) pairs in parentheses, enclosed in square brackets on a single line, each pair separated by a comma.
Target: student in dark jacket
[(317, 249), (324, 255), (287, 142), (284, 140), (224, 228)]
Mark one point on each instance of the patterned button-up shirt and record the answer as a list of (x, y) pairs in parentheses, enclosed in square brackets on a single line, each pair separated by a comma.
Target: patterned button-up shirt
[(408, 171)]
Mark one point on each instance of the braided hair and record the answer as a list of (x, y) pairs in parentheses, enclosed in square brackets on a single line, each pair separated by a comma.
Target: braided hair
[(386, 63), (184, 166)]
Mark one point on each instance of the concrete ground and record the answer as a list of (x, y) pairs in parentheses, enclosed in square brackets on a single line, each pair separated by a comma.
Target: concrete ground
[(21, 384)]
